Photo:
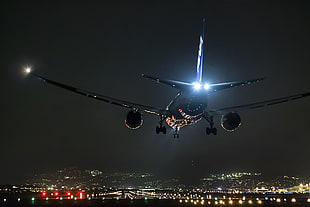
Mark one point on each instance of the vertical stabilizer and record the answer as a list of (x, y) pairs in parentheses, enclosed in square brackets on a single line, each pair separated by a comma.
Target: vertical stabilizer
[(200, 54)]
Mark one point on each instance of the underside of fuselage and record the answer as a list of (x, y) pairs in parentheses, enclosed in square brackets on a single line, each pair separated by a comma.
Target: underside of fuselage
[(186, 109)]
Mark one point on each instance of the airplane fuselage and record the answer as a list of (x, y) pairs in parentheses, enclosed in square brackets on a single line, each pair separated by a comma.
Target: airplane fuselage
[(186, 108)]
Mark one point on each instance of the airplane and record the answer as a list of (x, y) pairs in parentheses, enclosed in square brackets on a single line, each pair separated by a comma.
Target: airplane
[(189, 106)]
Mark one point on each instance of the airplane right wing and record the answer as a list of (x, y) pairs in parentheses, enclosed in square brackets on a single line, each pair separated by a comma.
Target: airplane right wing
[(107, 99), (262, 103)]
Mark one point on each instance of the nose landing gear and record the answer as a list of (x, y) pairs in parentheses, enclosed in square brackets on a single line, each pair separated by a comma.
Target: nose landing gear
[(176, 133), (211, 129)]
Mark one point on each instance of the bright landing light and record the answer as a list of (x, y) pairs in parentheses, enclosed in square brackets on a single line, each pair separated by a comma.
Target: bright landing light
[(206, 86), (197, 85)]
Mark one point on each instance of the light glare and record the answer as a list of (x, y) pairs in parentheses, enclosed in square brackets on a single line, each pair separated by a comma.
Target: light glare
[(197, 85), (206, 86), (27, 70)]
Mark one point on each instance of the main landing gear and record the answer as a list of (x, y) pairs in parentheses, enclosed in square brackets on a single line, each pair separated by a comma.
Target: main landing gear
[(211, 129), (161, 128)]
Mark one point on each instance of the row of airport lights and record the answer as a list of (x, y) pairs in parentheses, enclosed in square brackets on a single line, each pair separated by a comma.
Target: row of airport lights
[(202, 200), (240, 201)]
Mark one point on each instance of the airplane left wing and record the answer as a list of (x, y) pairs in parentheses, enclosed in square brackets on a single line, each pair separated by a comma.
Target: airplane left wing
[(107, 99), (262, 103)]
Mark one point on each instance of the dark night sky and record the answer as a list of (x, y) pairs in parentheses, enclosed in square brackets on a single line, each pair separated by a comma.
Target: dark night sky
[(103, 46)]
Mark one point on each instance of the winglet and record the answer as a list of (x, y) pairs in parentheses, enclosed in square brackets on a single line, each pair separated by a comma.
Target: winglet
[(200, 54)]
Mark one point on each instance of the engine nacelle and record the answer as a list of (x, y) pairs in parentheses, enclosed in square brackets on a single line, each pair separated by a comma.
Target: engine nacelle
[(133, 120), (230, 121)]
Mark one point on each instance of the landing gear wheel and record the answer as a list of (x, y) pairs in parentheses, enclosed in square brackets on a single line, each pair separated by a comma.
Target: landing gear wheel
[(214, 131), (208, 130), (175, 135), (161, 128), (164, 130), (157, 130)]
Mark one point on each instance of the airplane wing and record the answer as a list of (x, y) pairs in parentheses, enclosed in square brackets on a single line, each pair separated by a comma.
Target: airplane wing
[(107, 99), (262, 103)]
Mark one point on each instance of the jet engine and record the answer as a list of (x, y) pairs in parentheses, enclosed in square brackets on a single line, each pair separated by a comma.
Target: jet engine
[(230, 121), (133, 120)]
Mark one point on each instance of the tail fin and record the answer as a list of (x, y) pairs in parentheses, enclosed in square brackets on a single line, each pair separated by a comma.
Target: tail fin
[(200, 55)]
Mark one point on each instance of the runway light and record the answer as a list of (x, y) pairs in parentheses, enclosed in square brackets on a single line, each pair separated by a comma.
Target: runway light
[(293, 200), (259, 202), (308, 200)]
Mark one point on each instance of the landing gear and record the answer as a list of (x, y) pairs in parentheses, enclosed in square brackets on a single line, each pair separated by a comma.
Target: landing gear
[(161, 128), (211, 129), (176, 133)]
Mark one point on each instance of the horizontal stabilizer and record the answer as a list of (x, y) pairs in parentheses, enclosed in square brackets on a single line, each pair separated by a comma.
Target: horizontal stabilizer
[(183, 86), (172, 83)]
